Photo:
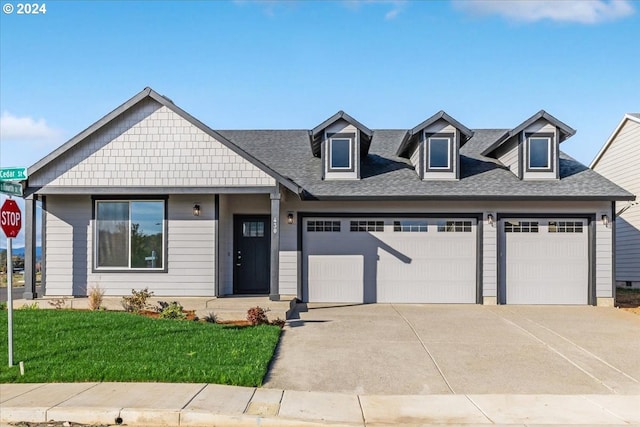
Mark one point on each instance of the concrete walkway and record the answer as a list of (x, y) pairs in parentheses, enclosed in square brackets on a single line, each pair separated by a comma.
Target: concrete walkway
[(150, 404)]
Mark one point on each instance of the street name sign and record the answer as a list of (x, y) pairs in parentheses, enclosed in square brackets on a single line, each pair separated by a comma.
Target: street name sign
[(13, 174), (12, 188)]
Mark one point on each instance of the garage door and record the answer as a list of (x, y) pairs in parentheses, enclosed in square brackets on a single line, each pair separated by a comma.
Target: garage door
[(399, 260), (546, 261)]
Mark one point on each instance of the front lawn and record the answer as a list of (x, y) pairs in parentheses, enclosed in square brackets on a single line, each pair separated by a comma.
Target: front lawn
[(77, 346)]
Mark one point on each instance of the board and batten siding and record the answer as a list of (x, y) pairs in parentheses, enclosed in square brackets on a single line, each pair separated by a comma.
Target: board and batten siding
[(150, 145), (620, 164), (190, 251)]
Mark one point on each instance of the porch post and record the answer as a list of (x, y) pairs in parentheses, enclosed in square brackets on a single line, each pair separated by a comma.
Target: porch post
[(274, 293), (30, 248)]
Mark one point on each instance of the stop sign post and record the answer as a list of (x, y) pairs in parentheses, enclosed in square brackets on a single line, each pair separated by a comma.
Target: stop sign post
[(11, 223)]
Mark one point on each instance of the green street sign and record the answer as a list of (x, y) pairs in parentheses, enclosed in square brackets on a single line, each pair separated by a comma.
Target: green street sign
[(13, 174), (12, 188)]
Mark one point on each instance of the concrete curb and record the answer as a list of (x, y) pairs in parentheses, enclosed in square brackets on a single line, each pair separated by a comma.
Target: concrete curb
[(192, 405)]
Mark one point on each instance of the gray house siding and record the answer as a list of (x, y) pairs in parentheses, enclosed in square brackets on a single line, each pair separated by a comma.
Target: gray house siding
[(620, 163), (190, 251)]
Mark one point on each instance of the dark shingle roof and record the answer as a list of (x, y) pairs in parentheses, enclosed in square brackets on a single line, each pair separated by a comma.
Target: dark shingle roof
[(385, 175)]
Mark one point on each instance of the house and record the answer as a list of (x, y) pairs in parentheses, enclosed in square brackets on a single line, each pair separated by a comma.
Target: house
[(619, 161), (149, 196)]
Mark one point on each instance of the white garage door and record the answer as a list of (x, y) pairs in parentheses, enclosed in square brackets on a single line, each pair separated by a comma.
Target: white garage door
[(400, 260), (546, 261)]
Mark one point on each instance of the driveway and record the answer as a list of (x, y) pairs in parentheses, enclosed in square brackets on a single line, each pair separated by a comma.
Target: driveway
[(459, 349)]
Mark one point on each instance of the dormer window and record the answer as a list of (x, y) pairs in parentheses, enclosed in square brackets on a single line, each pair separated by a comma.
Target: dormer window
[(341, 152), (539, 152), (439, 153)]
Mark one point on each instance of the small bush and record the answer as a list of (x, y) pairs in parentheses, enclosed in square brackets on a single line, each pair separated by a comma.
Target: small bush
[(278, 322), (137, 301), (3, 305), (257, 316), (210, 318), (96, 296), (171, 310), (32, 306), (58, 303)]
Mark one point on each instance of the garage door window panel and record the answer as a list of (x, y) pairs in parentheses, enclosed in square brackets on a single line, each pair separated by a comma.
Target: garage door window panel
[(521, 226), (410, 226), (323, 226), (565, 227), (367, 226), (454, 226)]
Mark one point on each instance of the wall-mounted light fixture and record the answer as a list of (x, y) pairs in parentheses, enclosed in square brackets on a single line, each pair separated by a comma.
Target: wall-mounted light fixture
[(196, 209), (605, 220), (289, 217), (490, 219)]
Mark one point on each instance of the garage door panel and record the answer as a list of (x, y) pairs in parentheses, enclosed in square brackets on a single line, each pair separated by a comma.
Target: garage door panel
[(546, 264), (423, 265)]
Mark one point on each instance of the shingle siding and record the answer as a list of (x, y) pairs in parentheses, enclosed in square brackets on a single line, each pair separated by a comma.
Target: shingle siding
[(620, 163), (150, 145)]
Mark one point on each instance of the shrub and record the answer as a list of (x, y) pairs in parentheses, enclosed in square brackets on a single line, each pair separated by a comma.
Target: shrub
[(3, 305), (33, 306), (95, 297), (278, 322), (257, 316), (58, 303), (137, 301), (211, 318), (171, 310)]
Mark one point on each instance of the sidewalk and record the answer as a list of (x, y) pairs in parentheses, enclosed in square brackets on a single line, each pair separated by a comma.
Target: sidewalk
[(151, 404)]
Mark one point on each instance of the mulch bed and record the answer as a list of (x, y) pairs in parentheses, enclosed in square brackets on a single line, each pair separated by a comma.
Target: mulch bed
[(628, 301)]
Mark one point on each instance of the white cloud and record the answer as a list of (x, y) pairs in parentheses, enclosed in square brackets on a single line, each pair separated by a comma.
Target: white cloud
[(25, 128), (580, 11), (396, 6)]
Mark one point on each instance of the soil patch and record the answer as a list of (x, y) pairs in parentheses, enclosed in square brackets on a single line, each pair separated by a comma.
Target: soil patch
[(190, 314), (628, 300)]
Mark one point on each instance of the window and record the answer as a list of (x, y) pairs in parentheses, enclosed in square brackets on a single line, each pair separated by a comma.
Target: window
[(340, 153), (410, 226), (521, 227), (539, 153), (363, 226), (333, 226), (439, 153), (252, 229), (454, 226), (130, 234), (565, 227)]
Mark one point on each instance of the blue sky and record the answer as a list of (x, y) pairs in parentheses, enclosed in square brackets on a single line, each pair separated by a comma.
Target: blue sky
[(292, 64)]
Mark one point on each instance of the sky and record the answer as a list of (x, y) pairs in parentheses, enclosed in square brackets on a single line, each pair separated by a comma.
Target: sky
[(292, 64)]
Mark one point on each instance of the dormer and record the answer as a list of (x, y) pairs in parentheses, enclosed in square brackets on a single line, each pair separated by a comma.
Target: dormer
[(434, 146), (342, 143), (532, 150)]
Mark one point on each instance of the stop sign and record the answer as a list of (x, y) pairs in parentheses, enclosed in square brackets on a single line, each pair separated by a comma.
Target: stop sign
[(10, 218)]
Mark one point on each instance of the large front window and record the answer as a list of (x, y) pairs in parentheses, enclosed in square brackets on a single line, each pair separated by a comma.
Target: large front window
[(130, 234)]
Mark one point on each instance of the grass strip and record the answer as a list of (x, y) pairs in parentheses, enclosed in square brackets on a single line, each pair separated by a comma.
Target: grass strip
[(79, 346)]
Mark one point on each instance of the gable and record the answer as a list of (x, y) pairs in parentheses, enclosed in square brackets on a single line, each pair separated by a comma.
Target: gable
[(149, 145), (621, 159)]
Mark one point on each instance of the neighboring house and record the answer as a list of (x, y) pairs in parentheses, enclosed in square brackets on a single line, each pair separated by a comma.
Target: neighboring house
[(619, 161), (149, 196)]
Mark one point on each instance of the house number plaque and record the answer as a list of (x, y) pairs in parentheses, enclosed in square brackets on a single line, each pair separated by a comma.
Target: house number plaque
[(275, 225)]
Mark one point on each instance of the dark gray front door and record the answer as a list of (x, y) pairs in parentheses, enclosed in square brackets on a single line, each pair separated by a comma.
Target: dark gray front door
[(251, 254)]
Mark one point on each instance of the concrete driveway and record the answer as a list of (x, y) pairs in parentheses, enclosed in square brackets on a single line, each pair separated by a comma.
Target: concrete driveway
[(459, 349)]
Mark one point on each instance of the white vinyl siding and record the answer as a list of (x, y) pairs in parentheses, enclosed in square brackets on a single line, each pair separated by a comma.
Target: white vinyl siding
[(190, 251), (619, 163), (509, 157)]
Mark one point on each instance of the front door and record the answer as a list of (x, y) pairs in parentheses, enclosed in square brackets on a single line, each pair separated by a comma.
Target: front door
[(251, 254)]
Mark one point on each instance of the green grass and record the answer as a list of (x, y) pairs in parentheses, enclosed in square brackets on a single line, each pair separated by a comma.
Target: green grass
[(77, 346)]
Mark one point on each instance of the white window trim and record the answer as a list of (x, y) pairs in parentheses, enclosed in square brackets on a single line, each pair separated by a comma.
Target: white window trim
[(427, 155), (335, 168), (549, 157), (96, 242)]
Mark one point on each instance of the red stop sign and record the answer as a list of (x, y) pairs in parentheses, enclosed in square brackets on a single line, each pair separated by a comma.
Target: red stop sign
[(10, 218)]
